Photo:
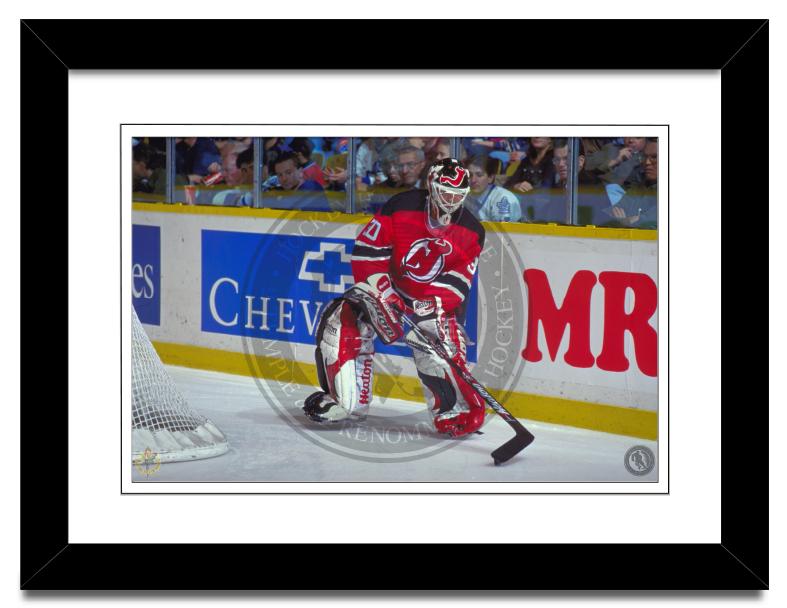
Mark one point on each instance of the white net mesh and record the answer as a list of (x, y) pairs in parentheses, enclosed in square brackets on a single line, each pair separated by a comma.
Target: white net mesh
[(161, 418)]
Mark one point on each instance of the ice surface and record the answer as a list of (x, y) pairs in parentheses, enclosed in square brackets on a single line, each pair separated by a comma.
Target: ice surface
[(265, 447)]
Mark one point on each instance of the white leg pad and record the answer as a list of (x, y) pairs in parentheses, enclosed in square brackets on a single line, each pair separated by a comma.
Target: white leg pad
[(347, 351)]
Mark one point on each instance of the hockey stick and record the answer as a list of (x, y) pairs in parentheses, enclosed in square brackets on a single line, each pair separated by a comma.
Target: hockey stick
[(523, 437)]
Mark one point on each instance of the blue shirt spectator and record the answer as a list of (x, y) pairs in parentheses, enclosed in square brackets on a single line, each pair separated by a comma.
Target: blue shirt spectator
[(203, 154), (295, 192)]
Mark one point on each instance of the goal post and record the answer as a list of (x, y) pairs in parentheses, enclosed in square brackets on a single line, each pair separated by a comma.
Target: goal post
[(161, 418)]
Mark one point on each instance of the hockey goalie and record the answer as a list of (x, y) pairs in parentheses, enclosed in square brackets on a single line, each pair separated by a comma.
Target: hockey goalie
[(418, 255)]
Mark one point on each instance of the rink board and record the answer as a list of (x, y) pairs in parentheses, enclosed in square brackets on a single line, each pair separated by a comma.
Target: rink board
[(240, 291)]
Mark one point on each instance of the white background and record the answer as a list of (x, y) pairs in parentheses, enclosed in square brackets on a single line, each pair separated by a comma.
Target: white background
[(688, 102)]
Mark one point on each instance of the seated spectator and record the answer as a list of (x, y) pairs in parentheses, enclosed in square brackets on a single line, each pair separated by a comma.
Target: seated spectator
[(592, 197), (389, 151), (436, 148), (335, 172), (182, 147), (409, 163), (388, 181), (443, 149), (233, 147), (237, 171), (149, 171), (387, 164), (288, 170), (618, 164), (505, 149), (328, 145), (311, 195), (365, 158), (228, 189), (638, 208), (245, 163), (430, 147), (486, 201), (591, 145), (204, 157), (303, 147), (535, 169), (272, 147)]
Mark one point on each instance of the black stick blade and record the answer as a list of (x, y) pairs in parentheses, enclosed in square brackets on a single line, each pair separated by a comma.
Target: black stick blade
[(511, 448)]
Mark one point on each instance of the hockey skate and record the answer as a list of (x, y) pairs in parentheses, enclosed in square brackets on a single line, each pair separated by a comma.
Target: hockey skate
[(322, 408)]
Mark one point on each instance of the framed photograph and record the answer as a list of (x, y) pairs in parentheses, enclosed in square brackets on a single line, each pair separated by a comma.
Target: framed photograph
[(228, 282), (240, 287)]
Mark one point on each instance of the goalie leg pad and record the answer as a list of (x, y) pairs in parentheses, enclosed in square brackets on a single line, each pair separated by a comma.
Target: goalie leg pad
[(345, 363), (321, 373), (454, 406)]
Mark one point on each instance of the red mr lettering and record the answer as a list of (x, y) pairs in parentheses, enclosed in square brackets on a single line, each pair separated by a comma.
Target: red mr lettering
[(616, 322), (575, 312)]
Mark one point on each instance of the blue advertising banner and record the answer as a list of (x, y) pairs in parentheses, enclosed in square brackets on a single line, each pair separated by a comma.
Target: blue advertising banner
[(275, 286), (146, 272)]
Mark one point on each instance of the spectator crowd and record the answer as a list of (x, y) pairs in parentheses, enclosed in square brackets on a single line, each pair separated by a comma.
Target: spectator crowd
[(511, 179)]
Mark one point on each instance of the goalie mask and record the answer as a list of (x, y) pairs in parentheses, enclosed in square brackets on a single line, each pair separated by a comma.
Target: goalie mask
[(448, 183)]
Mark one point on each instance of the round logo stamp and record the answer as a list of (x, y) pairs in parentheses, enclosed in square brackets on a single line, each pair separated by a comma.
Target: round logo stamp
[(296, 266), (639, 460)]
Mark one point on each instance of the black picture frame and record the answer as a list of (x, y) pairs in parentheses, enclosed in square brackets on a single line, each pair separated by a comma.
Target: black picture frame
[(50, 48)]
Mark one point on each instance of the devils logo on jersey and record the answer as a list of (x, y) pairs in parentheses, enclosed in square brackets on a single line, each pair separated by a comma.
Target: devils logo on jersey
[(426, 259)]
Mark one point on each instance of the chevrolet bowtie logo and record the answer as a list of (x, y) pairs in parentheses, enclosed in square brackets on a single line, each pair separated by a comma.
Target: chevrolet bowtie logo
[(345, 280)]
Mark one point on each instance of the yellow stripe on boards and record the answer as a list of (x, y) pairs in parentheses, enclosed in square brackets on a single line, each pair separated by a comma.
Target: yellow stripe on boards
[(287, 214), (568, 412), (590, 232)]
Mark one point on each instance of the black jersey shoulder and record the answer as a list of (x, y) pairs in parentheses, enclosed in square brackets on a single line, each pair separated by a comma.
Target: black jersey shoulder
[(469, 222), (409, 200)]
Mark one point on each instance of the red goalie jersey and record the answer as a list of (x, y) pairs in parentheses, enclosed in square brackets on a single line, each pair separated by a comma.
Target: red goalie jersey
[(421, 260)]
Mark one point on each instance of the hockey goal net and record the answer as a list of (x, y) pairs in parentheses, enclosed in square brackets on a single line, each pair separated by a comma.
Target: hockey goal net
[(161, 418)]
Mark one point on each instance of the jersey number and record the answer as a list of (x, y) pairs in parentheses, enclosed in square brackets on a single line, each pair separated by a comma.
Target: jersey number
[(372, 230), (471, 266)]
